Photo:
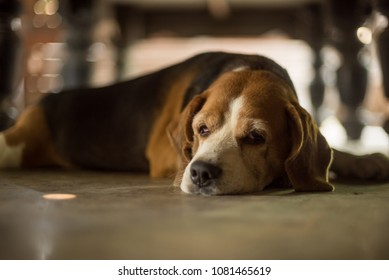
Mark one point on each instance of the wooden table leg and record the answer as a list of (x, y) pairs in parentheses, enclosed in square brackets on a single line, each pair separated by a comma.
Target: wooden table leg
[(383, 49), (347, 17), (9, 55), (80, 17)]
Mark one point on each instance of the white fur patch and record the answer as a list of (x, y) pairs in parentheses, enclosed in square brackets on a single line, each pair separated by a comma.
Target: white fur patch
[(235, 108), (240, 68), (10, 156)]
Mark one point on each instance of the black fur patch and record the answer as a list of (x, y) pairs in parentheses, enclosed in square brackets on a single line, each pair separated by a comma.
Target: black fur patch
[(213, 64)]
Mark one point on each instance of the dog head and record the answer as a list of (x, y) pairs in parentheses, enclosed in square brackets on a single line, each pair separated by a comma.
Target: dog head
[(246, 131)]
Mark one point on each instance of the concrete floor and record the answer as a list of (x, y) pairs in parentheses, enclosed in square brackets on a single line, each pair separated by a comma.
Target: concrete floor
[(124, 216)]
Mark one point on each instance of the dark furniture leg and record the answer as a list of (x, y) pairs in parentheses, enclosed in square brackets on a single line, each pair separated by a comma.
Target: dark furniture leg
[(130, 22), (347, 16), (383, 48), (9, 55), (80, 16), (315, 37)]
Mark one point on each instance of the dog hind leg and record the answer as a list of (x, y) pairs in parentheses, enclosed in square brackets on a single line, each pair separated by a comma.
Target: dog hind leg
[(10, 156), (29, 143)]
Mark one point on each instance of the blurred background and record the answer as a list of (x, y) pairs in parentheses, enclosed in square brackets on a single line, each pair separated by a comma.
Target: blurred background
[(334, 51)]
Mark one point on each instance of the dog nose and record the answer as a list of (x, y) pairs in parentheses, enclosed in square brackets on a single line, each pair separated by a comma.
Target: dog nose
[(203, 174)]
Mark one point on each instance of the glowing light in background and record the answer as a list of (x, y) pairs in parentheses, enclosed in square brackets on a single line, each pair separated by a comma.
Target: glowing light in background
[(51, 7), (364, 35), (48, 7), (46, 14)]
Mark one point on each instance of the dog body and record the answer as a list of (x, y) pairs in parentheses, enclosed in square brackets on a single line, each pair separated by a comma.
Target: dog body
[(223, 123)]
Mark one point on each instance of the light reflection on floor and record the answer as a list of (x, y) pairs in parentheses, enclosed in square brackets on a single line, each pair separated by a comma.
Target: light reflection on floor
[(59, 196)]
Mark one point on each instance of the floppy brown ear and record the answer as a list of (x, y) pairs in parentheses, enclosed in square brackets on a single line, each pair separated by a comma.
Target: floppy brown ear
[(180, 131), (310, 157)]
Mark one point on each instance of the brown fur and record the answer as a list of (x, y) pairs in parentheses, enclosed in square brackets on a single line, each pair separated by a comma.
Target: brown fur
[(161, 154)]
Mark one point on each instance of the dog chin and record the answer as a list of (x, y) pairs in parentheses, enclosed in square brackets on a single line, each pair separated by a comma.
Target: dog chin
[(207, 191), (215, 190)]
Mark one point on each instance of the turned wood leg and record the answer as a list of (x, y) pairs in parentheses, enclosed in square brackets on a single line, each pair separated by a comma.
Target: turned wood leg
[(81, 18), (131, 24), (315, 38), (383, 49), (352, 76), (9, 55), (352, 85)]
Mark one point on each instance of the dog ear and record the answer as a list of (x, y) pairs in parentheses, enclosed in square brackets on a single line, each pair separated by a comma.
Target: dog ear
[(180, 131), (310, 156)]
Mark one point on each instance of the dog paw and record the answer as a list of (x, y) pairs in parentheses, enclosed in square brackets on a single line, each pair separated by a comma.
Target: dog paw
[(371, 167)]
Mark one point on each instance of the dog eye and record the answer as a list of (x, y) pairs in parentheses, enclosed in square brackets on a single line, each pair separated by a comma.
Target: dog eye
[(204, 131), (254, 138)]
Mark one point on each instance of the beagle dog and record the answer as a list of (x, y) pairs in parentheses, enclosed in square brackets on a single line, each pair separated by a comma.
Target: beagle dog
[(222, 123)]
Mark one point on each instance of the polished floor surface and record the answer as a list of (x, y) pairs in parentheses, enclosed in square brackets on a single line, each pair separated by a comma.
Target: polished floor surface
[(124, 216)]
